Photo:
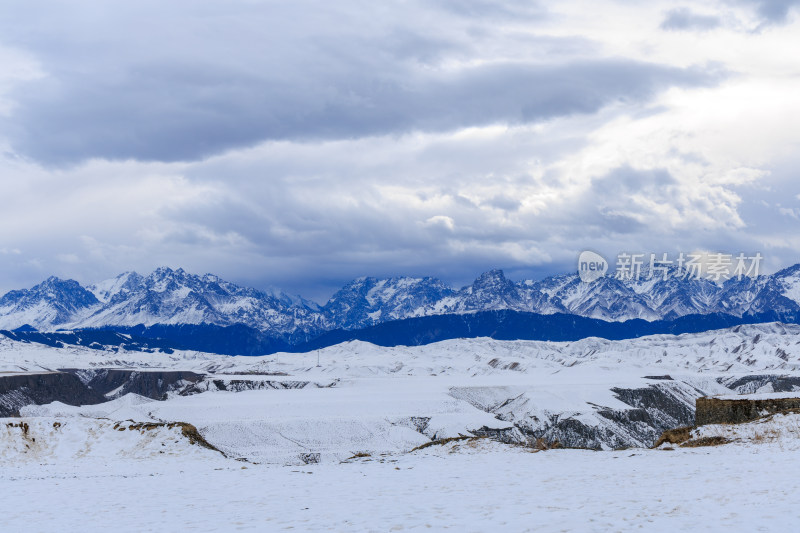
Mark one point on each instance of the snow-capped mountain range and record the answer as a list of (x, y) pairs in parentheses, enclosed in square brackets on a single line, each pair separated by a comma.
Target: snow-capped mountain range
[(168, 296)]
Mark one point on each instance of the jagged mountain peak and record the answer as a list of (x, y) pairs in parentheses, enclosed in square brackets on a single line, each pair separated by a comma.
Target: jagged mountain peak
[(490, 279), (175, 296), (51, 302), (54, 288), (54, 281), (163, 275), (491, 282), (368, 300), (167, 271), (793, 270)]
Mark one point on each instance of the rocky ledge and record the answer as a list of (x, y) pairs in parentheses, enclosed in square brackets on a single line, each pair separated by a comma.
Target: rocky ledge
[(735, 410)]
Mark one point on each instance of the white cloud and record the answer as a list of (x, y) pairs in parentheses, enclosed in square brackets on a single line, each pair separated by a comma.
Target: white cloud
[(18, 69), (441, 221)]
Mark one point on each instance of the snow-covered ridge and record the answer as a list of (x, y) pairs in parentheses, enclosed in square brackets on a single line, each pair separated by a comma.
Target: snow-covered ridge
[(168, 296), (361, 397), (742, 349)]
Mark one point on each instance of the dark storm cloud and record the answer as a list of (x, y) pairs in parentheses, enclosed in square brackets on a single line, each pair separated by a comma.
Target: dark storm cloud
[(773, 11), (176, 112), (770, 12), (199, 83), (683, 18)]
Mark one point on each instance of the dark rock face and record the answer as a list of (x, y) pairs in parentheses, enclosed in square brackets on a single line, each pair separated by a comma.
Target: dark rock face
[(753, 383), (573, 433), (94, 386), (86, 387), (720, 411), (239, 385), (114, 383), (19, 390), (666, 405), (655, 408)]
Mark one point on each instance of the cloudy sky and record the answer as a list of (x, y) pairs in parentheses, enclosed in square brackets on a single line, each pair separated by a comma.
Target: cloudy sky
[(300, 144)]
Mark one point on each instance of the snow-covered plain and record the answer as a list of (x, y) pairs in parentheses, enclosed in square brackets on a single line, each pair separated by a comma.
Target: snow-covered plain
[(481, 486), (95, 467)]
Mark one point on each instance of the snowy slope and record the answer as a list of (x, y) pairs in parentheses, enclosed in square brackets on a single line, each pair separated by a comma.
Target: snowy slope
[(472, 486), (66, 439), (590, 393), (148, 480), (347, 455)]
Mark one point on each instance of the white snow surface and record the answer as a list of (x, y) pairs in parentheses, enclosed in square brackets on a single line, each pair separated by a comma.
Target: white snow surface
[(481, 486), (128, 407), (83, 473)]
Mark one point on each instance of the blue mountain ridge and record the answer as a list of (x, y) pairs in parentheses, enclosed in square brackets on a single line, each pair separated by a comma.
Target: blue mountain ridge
[(174, 309), (500, 325)]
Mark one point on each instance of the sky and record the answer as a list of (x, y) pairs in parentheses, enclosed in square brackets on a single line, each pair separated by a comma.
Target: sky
[(303, 144)]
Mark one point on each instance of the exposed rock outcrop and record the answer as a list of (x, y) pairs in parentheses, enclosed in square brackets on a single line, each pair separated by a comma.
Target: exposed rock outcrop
[(239, 385), (114, 383), (19, 390), (93, 386), (736, 411), (653, 409)]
